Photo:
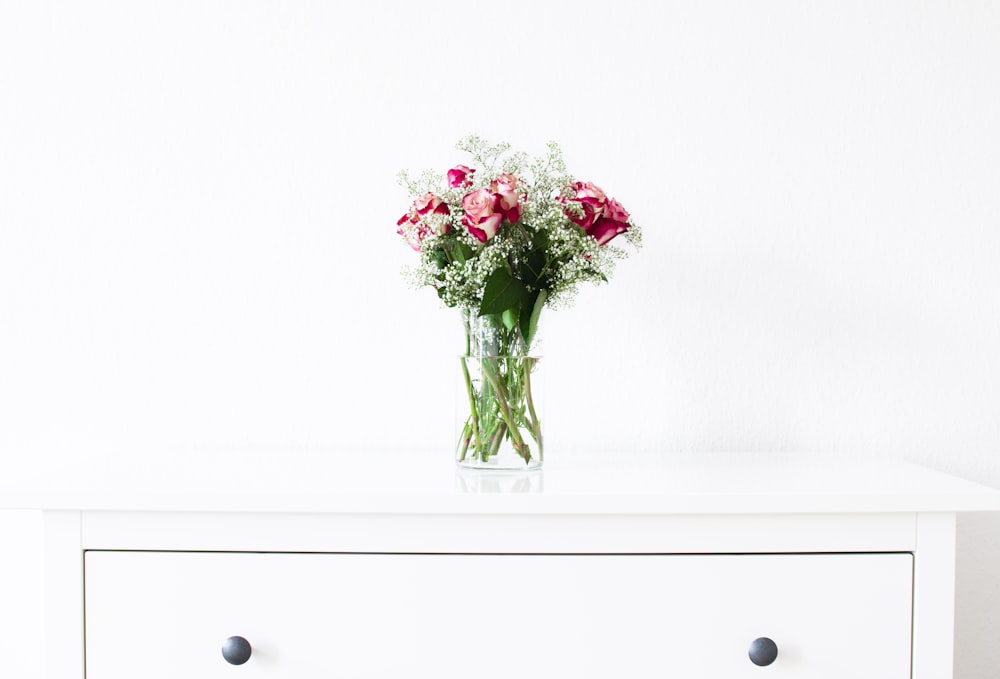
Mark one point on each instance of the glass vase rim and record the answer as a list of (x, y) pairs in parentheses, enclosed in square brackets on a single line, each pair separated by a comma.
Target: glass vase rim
[(481, 356)]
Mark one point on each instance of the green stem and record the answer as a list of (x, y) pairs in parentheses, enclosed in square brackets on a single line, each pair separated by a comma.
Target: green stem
[(501, 393), (463, 442), (527, 365), (473, 410), (496, 441)]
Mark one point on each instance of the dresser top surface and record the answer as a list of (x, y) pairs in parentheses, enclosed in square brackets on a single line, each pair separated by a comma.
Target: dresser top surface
[(703, 483)]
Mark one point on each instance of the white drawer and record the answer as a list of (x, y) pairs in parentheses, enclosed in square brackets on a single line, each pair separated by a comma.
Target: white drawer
[(166, 614)]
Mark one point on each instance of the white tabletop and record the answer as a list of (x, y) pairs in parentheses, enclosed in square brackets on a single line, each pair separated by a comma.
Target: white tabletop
[(282, 481)]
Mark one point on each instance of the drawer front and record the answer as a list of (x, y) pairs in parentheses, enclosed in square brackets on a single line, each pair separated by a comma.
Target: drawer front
[(166, 614)]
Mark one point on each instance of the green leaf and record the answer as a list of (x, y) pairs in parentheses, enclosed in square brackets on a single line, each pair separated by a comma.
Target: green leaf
[(502, 292), (524, 318), (461, 252), (595, 272), (532, 268), (529, 316), (509, 318), (540, 241)]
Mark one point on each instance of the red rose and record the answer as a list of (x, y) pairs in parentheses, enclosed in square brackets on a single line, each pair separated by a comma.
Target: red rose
[(459, 176), (482, 216)]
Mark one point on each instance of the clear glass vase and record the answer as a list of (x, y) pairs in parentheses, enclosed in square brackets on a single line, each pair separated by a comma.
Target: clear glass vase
[(498, 424)]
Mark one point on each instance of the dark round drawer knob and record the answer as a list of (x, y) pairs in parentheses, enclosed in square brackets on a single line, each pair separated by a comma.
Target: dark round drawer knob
[(763, 651), (236, 650)]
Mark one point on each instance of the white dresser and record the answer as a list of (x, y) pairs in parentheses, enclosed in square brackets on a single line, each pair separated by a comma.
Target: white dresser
[(703, 566)]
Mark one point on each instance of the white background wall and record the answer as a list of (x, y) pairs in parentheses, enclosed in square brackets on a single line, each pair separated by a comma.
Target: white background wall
[(197, 248)]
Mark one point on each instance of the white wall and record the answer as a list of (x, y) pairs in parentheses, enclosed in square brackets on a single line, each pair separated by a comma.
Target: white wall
[(197, 248)]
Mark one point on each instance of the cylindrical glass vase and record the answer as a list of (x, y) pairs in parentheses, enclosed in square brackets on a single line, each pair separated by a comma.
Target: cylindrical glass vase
[(498, 402)]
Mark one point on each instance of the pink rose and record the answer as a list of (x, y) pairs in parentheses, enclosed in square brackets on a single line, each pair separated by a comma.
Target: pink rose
[(482, 217), (505, 183), (459, 176), (430, 204), (613, 222), (599, 216), (426, 216), (591, 198), (410, 229), (412, 233), (504, 188)]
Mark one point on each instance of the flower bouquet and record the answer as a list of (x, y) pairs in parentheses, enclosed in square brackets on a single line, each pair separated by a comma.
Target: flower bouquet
[(501, 240)]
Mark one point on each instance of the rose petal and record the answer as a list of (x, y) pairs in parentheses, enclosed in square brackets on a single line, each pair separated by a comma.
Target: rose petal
[(605, 229), (486, 228)]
